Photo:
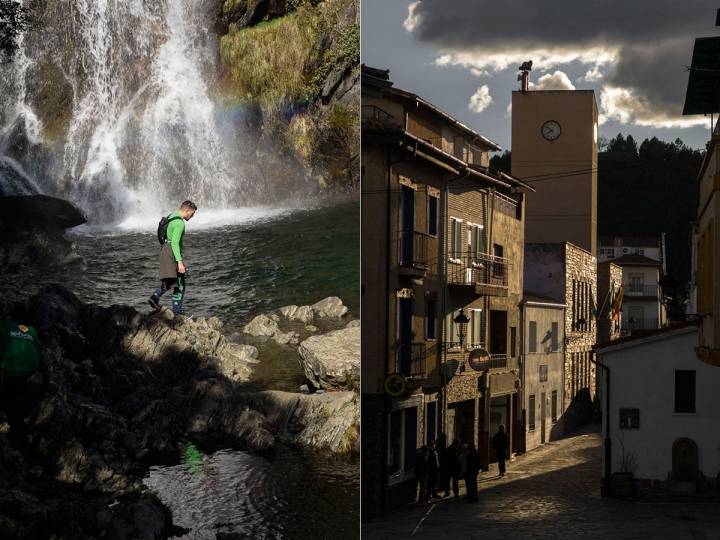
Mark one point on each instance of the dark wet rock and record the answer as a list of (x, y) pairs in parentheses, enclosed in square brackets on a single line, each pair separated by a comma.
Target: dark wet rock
[(127, 390)]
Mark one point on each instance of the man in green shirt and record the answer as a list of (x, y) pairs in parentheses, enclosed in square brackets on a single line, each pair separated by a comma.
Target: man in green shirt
[(172, 265), (20, 359)]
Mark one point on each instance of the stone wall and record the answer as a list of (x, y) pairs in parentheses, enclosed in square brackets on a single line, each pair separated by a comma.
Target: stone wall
[(580, 373)]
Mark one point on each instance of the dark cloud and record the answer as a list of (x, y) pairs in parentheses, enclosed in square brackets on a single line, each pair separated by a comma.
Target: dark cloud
[(652, 41)]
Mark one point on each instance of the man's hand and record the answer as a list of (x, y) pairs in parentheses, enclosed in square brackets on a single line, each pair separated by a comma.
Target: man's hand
[(181, 267)]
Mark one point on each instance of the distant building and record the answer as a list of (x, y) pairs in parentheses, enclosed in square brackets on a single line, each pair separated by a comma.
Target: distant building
[(610, 280), (568, 274), (663, 408), (442, 237), (542, 363), (643, 262)]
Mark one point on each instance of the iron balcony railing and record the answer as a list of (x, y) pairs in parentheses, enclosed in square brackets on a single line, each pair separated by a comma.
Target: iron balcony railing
[(642, 290), (411, 359), (373, 113), (648, 323), (478, 269), (496, 361), (413, 249)]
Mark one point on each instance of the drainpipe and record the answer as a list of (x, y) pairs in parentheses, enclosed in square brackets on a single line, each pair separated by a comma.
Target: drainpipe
[(606, 490)]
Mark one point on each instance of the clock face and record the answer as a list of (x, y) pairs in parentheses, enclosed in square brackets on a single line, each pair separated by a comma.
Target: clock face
[(551, 130)]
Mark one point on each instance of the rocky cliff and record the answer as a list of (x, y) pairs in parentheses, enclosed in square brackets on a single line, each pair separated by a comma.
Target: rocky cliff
[(296, 64), (125, 391)]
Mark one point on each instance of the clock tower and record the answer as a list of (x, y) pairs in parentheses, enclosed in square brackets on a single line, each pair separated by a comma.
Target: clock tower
[(554, 148)]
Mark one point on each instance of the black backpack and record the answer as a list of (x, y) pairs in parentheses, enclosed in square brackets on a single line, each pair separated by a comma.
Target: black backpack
[(162, 228)]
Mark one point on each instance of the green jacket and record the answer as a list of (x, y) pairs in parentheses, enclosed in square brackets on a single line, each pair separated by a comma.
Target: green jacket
[(19, 349), (175, 233)]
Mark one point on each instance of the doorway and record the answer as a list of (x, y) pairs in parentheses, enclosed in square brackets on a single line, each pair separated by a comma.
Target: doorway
[(684, 460)]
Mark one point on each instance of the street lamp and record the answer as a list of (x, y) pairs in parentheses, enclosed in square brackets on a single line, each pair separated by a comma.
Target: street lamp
[(461, 320)]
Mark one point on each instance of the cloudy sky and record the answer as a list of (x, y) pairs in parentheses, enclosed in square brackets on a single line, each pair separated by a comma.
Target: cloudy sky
[(463, 56)]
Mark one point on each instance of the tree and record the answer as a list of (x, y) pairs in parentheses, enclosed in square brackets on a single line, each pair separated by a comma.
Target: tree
[(501, 162), (14, 20)]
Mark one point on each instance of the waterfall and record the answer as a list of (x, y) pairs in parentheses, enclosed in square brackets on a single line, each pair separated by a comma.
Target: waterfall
[(132, 80)]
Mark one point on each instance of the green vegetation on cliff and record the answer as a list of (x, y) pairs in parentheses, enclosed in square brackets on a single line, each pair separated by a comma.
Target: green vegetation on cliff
[(289, 66)]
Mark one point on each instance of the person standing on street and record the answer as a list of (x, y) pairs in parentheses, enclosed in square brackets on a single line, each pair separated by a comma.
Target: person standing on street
[(501, 444), (173, 269), (433, 471), (450, 460), (421, 473), (473, 469)]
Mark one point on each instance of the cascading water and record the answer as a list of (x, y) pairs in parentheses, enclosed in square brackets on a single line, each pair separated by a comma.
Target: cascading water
[(141, 131)]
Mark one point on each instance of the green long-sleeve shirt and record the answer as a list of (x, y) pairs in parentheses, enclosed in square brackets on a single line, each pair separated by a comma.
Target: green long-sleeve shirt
[(175, 234), (19, 349)]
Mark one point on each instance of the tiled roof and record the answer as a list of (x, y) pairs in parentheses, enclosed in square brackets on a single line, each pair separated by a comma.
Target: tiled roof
[(642, 334), (635, 260)]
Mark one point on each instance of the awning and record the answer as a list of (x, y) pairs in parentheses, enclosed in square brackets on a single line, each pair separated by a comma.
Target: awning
[(703, 89)]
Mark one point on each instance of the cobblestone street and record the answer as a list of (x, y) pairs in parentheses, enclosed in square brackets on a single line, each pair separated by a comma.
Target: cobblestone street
[(551, 492)]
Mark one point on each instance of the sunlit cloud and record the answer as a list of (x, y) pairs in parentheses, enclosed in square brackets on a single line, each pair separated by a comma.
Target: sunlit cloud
[(413, 19), (555, 81), (626, 105), (480, 100)]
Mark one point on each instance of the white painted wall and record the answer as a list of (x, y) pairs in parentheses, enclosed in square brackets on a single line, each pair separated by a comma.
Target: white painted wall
[(544, 316), (643, 376)]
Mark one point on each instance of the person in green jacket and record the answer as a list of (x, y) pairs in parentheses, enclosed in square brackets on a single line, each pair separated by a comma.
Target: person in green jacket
[(20, 359), (173, 269)]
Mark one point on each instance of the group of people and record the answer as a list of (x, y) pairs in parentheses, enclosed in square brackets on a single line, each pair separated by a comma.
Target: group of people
[(439, 468)]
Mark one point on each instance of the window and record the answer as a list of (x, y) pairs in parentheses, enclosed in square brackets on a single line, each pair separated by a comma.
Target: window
[(543, 373), (513, 338), (498, 269), (610, 252), (532, 337), (456, 239), (430, 319), (475, 240), (531, 413), (641, 251), (555, 336), (452, 329), (477, 328), (636, 283), (629, 418), (684, 391), (432, 215), (574, 304), (402, 443), (553, 406)]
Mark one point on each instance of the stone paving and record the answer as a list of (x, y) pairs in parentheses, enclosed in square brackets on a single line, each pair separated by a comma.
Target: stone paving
[(552, 492)]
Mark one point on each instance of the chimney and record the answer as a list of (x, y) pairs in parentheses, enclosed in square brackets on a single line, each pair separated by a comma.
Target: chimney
[(525, 75)]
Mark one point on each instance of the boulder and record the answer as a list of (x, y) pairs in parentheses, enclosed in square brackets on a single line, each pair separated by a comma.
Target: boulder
[(289, 338), (353, 324), (262, 325), (332, 360), (329, 421), (303, 314), (331, 307)]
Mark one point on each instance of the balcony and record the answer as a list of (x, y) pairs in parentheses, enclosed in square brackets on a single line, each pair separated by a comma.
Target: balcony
[(410, 360), (375, 117), (639, 324), (486, 274), (647, 291), (503, 362), (413, 253)]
